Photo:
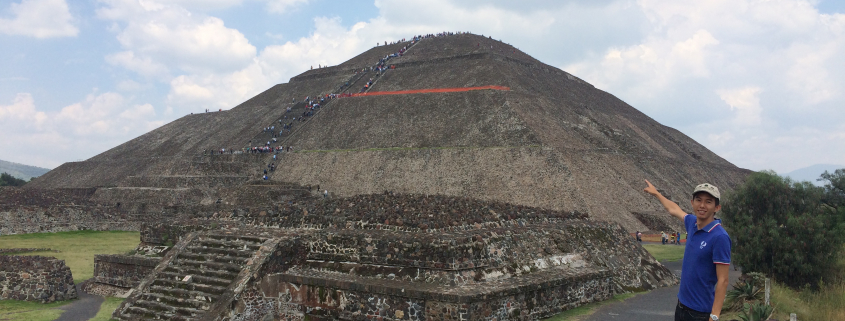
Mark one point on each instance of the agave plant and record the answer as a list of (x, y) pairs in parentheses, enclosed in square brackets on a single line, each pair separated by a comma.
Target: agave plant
[(742, 294), (756, 312)]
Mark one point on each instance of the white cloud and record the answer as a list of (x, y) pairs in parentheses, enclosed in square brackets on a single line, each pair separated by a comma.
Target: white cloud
[(139, 112), (77, 131), (329, 44), (39, 19), (156, 34), (745, 102), (21, 113), (144, 66)]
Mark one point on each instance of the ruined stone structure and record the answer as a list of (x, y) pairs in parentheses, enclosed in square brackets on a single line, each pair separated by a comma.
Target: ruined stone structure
[(394, 257), (512, 202), (35, 278)]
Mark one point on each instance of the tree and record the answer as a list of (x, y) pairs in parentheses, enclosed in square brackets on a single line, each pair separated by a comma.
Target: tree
[(7, 179), (835, 187), (784, 229)]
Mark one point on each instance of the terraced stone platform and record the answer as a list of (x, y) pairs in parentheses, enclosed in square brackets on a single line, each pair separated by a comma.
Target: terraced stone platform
[(192, 279)]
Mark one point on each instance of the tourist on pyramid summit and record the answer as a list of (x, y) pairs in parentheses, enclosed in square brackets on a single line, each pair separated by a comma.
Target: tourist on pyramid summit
[(707, 256)]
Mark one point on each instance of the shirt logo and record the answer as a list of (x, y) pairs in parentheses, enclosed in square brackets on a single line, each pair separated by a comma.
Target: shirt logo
[(703, 244)]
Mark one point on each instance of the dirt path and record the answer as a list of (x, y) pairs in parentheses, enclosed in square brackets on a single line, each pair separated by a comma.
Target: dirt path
[(85, 308), (652, 306)]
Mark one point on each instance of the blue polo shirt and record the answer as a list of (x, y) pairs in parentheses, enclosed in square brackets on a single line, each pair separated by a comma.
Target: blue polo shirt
[(705, 248)]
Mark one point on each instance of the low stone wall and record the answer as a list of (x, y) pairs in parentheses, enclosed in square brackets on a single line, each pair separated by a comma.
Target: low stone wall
[(60, 218), (35, 278), (183, 181), (122, 270)]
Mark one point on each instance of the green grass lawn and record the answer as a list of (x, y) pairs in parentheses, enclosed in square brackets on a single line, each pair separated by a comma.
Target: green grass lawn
[(30, 311), (77, 248), (662, 253), (107, 309)]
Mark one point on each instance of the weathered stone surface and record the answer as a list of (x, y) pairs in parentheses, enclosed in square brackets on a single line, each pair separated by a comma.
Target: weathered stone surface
[(35, 278), (122, 270)]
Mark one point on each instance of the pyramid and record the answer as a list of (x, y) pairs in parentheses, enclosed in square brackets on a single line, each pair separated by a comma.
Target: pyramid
[(447, 177), (550, 140)]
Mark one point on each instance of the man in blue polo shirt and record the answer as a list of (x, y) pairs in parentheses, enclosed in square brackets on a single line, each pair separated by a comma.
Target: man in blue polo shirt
[(707, 256)]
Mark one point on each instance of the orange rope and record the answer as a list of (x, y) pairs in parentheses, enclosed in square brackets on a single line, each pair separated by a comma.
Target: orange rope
[(434, 90)]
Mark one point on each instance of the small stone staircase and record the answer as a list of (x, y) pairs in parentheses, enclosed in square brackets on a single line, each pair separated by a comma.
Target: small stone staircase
[(190, 282)]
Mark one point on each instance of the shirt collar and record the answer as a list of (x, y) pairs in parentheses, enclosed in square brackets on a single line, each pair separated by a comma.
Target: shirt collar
[(709, 227)]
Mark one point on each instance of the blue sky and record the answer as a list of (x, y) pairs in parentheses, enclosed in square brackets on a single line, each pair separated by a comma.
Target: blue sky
[(761, 83)]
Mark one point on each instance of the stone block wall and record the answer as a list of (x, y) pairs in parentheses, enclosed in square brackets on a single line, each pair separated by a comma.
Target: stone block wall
[(35, 278), (60, 218), (183, 181), (122, 270), (282, 297)]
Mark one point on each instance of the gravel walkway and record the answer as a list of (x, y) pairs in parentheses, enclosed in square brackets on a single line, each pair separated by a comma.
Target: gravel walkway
[(655, 305), (85, 308)]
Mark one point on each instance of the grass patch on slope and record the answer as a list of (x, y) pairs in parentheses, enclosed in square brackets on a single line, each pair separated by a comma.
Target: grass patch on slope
[(665, 253), (77, 248), (107, 308), (828, 303), (30, 311)]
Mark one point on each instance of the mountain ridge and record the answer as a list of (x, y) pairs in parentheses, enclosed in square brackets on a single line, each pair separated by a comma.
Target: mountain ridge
[(21, 171)]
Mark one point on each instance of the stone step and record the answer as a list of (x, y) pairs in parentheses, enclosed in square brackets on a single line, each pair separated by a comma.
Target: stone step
[(233, 245), (208, 265), (182, 293), (165, 309), (141, 313), (136, 313), (176, 301), (231, 238), (189, 270), (211, 289), (220, 251), (195, 279), (200, 257)]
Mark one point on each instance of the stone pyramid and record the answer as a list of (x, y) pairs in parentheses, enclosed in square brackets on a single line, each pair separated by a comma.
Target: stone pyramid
[(551, 140)]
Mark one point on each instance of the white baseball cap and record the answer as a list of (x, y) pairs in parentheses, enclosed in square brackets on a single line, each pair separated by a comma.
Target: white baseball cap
[(707, 188)]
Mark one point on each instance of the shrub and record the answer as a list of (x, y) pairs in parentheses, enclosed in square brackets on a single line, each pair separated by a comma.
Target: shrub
[(744, 291), (756, 312), (784, 229)]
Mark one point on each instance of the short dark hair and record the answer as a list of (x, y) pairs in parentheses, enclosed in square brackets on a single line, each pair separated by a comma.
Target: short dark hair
[(696, 194)]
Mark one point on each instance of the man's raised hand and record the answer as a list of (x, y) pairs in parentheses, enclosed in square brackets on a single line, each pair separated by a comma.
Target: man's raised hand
[(651, 189)]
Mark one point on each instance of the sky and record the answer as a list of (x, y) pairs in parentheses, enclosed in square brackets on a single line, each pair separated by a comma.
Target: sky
[(759, 82)]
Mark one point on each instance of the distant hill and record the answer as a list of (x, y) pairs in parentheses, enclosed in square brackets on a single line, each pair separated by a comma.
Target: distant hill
[(812, 173), (24, 172)]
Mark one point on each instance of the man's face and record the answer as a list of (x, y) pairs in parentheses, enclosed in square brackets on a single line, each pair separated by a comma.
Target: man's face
[(704, 206)]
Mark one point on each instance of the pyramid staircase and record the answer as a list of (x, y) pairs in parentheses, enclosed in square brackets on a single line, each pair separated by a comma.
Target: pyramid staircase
[(201, 272)]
